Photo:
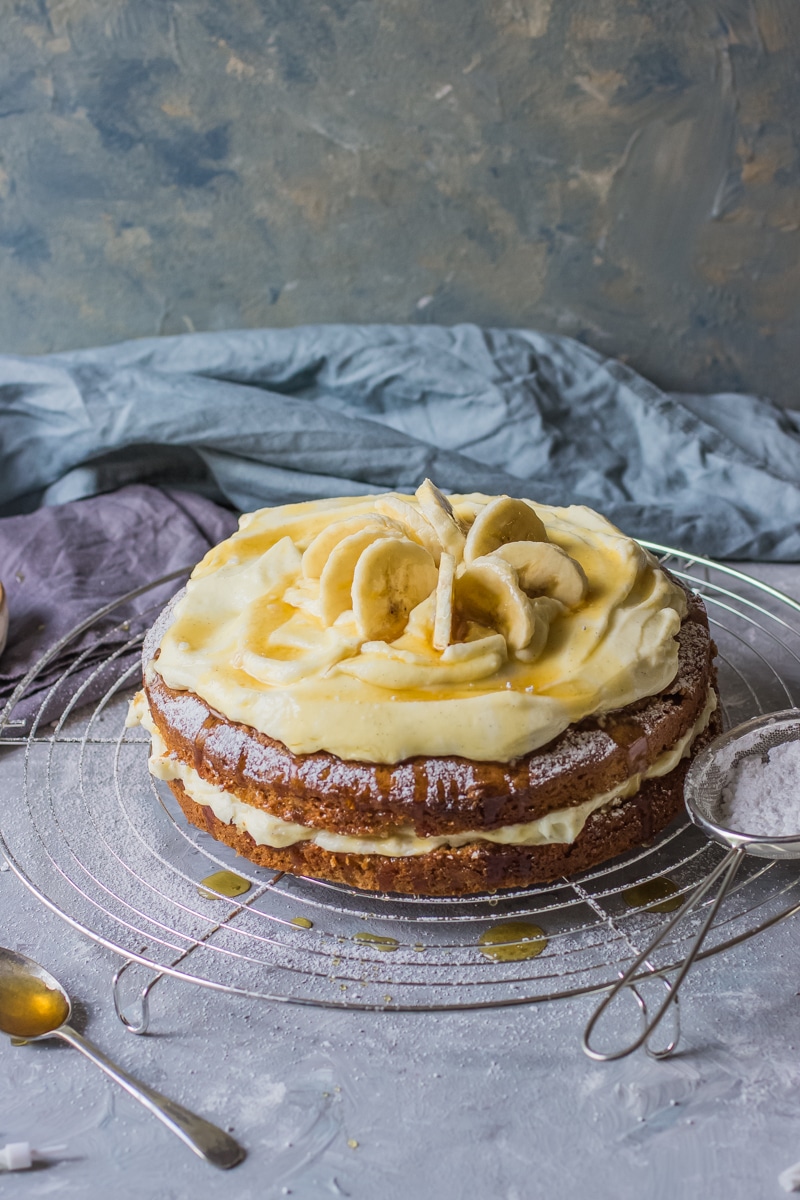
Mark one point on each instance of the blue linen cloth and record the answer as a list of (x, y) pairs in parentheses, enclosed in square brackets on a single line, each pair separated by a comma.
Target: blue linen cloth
[(264, 416)]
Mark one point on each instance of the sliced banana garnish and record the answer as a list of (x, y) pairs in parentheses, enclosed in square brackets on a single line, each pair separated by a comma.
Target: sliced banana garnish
[(502, 520), (392, 576), (545, 610), (320, 549), (420, 621), (488, 591), (545, 569), (443, 621), (439, 511), (409, 594), (415, 523), (337, 576)]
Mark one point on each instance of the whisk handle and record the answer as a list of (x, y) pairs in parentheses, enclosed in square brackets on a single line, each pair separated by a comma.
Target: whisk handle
[(724, 871)]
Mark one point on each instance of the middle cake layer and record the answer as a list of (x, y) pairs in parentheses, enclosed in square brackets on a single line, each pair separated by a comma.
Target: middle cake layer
[(560, 826)]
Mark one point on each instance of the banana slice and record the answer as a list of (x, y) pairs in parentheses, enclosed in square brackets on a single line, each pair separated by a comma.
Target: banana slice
[(545, 610), (319, 550), (502, 520), (488, 592), (443, 622), (416, 524), (392, 576), (420, 621), (336, 579), (546, 570), (439, 511)]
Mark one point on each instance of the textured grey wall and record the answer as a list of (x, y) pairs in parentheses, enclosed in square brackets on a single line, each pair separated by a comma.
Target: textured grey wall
[(621, 170)]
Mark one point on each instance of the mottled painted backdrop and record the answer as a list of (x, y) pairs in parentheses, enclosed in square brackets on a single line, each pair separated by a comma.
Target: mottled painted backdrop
[(625, 171)]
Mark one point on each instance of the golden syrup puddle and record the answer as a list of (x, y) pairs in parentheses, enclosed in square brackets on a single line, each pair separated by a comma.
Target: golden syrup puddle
[(28, 1008), (224, 883), (663, 891), (302, 922), (386, 944), (512, 941)]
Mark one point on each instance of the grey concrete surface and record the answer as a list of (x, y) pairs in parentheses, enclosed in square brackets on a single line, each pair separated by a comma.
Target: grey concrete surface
[(493, 1105)]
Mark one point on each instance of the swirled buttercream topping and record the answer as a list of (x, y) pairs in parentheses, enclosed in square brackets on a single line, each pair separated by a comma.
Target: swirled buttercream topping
[(381, 627)]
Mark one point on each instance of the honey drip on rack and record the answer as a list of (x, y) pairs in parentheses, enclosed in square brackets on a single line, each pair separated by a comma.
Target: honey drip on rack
[(28, 1008), (224, 883), (512, 941), (661, 890), (387, 944), (302, 922)]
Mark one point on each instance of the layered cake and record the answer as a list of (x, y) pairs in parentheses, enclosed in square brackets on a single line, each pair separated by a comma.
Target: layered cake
[(428, 694)]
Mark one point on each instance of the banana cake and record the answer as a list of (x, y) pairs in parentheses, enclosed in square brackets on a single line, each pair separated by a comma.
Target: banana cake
[(427, 694)]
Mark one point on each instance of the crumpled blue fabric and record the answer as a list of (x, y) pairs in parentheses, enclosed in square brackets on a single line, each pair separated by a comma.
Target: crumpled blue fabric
[(265, 416)]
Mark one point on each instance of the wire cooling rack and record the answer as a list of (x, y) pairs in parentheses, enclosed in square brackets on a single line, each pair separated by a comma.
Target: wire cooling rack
[(106, 847)]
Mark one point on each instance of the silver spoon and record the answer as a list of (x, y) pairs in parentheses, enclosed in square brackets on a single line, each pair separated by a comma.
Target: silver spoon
[(33, 1006)]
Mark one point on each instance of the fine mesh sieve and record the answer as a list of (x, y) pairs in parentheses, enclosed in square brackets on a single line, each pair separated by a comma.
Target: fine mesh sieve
[(706, 781)]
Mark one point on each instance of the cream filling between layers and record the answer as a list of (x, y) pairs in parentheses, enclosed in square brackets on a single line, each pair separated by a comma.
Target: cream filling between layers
[(562, 826), (249, 639)]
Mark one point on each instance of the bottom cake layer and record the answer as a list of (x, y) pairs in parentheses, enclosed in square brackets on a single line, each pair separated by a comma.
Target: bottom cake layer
[(478, 866)]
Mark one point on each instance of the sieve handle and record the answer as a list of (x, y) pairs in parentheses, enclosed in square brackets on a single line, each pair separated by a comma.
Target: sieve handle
[(726, 871)]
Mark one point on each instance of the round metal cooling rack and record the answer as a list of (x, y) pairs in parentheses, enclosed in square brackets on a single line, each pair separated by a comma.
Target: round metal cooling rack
[(105, 846)]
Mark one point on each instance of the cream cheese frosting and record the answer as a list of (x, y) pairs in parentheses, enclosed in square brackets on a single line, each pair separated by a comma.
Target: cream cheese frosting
[(288, 627), (562, 826)]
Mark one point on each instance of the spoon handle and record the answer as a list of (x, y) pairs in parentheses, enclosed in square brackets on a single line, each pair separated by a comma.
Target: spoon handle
[(200, 1135)]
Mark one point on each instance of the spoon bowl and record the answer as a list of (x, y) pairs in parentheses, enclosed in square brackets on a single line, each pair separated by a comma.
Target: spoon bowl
[(34, 1005)]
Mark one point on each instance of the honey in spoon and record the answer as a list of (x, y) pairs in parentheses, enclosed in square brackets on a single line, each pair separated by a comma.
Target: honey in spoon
[(29, 1008), (33, 1004)]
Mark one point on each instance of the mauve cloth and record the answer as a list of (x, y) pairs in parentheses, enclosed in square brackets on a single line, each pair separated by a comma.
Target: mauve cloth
[(264, 416), (59, 565)]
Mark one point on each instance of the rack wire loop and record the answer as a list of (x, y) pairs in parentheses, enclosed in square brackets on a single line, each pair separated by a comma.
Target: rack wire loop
[(141, 1024)]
